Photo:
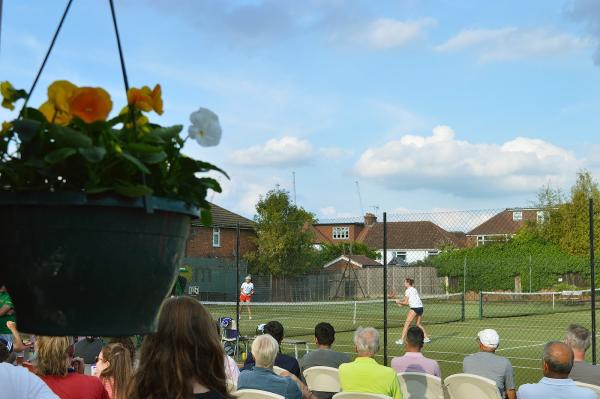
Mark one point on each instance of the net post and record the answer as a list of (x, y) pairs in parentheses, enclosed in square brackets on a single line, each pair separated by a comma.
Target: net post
[(385, 293), (593, 278), (480, 305)]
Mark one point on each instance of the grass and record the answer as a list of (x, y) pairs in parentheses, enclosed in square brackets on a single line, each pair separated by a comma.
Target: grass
[(521, 337)]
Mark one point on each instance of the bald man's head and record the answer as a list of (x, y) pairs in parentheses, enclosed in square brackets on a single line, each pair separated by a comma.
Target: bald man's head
[(558, 360)]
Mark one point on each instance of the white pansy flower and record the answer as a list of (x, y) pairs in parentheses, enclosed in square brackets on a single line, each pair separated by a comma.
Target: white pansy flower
[(205, 129)]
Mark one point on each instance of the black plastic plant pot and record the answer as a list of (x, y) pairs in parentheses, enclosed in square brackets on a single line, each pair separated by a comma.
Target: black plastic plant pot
[(79, 265)]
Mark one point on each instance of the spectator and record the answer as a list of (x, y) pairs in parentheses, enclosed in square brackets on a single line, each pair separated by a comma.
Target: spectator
[(114, 369), (127, 342), (364, 374), (17, 382), (18, 344), (413, 360), (88, 348), (289, 363), (262, 377), (580, 339), (5, 350), (231, 369), (487, 364), (324, 355), (556, 384), (53, 366), (7, 313), (184, 358)]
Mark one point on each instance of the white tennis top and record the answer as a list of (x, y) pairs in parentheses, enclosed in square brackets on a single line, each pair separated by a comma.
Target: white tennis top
[(414, 301), (247, 288)]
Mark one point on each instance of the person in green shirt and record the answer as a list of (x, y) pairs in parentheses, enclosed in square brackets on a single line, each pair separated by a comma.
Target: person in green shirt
[(7, 313), (364, 374)]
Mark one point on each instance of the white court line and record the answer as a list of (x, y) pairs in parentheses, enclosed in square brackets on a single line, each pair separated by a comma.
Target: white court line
[(521, 347)]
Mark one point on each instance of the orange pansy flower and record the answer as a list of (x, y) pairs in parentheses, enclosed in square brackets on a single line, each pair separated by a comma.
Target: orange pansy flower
[(91, 104)]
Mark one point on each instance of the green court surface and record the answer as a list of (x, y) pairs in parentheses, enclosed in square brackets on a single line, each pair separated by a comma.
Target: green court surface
[(521, 337)]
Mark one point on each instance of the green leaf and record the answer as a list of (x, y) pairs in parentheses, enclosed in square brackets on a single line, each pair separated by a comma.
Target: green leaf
[(133, 190), (153, 158), (97, 190), (211, 183), (153, 138), (167, 132), (138, 164), (70, 137), (144, 148), (206, 167), (34, 114), (26, 128), (206, 216), (93, 154), (59, 155)]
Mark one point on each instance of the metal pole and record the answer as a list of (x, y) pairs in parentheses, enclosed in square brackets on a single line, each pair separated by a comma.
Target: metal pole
[(593, 277), (237, 275), (465, 276), (480, 305), (530, 273), (385, 293)]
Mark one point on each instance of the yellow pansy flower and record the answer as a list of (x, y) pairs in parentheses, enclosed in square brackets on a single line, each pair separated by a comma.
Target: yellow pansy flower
[(54, 115), (60, 94)]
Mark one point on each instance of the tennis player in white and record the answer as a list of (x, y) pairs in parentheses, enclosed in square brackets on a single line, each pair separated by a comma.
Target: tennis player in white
[(246, 292), (413, 301)]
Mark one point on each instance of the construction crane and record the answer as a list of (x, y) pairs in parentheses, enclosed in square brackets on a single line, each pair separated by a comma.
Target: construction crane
[(362, 210)]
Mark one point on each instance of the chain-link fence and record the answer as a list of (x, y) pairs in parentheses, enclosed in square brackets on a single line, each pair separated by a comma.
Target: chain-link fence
[(506, 269)]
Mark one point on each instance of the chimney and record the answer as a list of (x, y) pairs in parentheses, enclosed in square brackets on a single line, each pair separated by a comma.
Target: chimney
[(370, 219)]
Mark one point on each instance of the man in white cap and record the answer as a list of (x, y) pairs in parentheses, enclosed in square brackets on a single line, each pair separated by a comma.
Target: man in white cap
[(486, 363)]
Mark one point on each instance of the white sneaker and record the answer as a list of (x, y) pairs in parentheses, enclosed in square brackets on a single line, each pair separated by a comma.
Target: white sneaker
[(427, 340), (399, 342)]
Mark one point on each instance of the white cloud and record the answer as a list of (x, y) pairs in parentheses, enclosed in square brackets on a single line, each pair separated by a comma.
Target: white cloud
[(381, 33), (285, 151), (510, 43), (443, 163)]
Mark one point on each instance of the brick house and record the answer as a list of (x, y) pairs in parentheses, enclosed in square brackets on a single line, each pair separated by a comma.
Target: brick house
[(219, 240), (407, 241), (504, 225)]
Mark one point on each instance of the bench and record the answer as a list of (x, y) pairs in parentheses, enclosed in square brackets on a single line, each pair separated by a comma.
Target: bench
[(296, 342)]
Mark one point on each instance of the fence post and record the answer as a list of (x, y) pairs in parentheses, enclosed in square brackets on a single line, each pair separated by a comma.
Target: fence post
[(480, 305), (462, 308), (385, 294), (593, 277)]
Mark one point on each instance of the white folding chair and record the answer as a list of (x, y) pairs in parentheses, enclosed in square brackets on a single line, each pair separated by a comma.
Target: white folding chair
[(461, 386), (359, 395), (256, 394), (278, 370), (231, 385), (594, 388), (420, 386), (322, 379)]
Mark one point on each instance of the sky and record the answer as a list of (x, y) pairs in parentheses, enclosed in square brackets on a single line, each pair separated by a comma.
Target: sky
[(429, 105)]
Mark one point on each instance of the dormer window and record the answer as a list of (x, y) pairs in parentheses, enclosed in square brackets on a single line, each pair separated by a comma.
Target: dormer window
[(517, 216), (340, 233)]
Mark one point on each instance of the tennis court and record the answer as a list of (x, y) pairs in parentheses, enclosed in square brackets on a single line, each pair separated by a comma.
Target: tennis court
[(522, 336)]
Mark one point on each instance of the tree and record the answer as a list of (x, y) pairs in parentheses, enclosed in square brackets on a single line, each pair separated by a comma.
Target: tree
[(330, 252), (567, 224), (284, 242)]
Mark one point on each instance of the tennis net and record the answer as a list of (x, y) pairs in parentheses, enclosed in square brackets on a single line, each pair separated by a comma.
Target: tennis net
[(508, 304), (300, 318)]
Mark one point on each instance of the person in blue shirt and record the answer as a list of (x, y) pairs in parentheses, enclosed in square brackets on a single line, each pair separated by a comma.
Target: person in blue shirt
[(556, 384), (289, 363), (265, 349)]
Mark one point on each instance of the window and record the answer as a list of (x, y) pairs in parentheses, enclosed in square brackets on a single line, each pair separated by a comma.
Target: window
[(341, 233), (491, 239), (517, 216), (400, 254), (433, 253), (540, 217), (216, 237)]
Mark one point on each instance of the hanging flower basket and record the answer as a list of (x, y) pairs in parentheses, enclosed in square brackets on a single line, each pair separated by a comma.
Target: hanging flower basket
[(95, 210), (76, 265)]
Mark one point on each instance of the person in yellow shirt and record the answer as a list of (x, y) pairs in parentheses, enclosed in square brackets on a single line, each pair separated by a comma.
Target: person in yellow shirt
[(364, 374)]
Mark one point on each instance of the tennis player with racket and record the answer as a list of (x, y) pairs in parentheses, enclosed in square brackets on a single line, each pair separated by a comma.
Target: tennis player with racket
[(246, 292), (413, 301)]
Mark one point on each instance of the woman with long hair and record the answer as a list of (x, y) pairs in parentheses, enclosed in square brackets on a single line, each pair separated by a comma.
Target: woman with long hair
[(54, 366), (415, 312), (113, 367), (184, 358)]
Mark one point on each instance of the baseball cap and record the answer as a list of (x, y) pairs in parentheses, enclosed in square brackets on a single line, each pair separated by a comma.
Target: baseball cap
[(489, 338)]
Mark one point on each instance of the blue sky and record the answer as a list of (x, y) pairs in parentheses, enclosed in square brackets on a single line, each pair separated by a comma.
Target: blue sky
[(429, 105)]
